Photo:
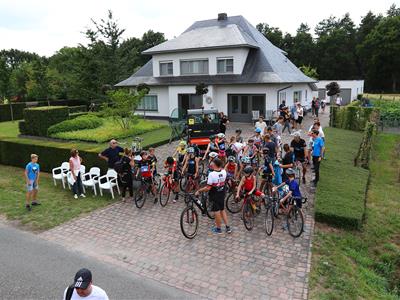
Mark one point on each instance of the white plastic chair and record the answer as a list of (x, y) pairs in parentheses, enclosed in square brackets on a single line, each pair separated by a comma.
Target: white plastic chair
[(108, 182), (71, 180), (91, 179), (60, 173)]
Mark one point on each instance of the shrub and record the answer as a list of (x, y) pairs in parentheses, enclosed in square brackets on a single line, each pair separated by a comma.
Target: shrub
[(75, 115), (22, 127), (17, 111), (39, 119), (352, 117), (364, 152), (82, 122)]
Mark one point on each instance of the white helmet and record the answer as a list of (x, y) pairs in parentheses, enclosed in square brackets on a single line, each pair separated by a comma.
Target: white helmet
[(213, 154), (221, 135)]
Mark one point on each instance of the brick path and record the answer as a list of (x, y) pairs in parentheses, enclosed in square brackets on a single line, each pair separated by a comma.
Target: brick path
[(243, 265)]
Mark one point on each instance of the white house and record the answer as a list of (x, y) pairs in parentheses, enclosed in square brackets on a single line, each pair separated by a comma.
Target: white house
[(349, 89), (244, 72)]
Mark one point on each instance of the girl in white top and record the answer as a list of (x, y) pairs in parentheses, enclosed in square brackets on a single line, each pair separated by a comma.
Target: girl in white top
[(75, 168)]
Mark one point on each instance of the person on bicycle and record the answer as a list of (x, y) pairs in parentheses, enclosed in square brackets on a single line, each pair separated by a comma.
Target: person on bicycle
[(153, 161), (171, 166), (212, 147), (299, 146), (191, 166), (220, 143), (211, 157), (248, 185), (258, 138), (267, 169), (294, 189), (146, 173), (287, 161), (231, 167), (244, 162), (251, 151), (180, 151), (216, 193)]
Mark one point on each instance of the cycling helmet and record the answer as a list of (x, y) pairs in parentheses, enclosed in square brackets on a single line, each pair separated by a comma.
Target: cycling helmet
[(265, 150), (246, 160), (290, 171), (251, 140), (182, 143), (170, 160), (190, 150), (231, 158), (221, 135), (213, 154), (248, 170), (238, 130), (258, 130)]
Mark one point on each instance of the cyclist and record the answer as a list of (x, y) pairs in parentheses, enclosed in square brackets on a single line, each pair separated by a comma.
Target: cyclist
[(251, 151), (211, 157), (248, 185), (231, 167), (294, 189), (180, 151), (244, 162), (257, 137), (145, 170), (221, 146), (153, 161), (267, 169), (172, 172), (287, 161), (299, 146), (191, 166), (212, 147)]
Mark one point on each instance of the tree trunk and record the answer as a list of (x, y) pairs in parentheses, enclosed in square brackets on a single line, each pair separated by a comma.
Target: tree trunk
[(394, 83)]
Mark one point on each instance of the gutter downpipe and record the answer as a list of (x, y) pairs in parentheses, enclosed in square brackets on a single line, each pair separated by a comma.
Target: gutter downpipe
[(277, 94)]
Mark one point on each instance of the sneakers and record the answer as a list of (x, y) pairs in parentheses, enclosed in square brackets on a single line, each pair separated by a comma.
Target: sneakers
[(216, 230), (83, 196), (36, 203), (304, 180), (76, 196), (28, 207), (228, 229)]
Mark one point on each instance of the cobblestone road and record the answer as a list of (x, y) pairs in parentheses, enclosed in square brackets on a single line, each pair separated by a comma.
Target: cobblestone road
[(242, 265)]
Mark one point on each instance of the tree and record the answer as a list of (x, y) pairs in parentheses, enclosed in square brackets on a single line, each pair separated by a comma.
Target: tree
[(309, 71), (332, 88), (122, 106), (273, 34), (303, 49), (393, 11), (149, 39)]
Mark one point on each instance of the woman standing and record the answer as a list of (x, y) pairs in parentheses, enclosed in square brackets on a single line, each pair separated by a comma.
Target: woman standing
[(223, 122), (300, 114), (75, 168)]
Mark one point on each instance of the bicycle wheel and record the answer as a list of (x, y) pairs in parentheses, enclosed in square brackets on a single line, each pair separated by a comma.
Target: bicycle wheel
[(295, 221), (183, 183), (201, 168), (269, 220), (165, 193), (232, 204), (248, 216), (140, 197), (208, 206), (297, 175), (189, 222)]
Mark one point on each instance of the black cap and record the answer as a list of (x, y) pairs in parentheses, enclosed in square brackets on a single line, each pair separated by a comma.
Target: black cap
[(82, 279)]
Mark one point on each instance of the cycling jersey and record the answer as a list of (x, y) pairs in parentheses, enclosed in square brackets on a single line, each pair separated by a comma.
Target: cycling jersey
[(248, 185), (216, 179), (231, 169), (266, 168), (294, 188), (145, 168), (191, 167), (257, 140), (221, 146), (171, 168), (251, 151)]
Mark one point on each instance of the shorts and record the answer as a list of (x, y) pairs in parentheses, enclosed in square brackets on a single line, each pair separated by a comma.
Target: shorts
[(32, 185), (299, 120), (255, 193), (217, 201)]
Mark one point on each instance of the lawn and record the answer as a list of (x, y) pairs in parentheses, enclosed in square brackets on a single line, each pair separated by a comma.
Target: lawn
[(364, 264), (58, 205), (109, 130)]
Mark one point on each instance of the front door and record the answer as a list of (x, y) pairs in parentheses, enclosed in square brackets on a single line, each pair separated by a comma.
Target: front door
[(240, 106)]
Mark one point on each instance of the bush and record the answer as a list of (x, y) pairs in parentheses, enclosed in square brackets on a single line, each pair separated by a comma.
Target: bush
[(17, 109), (340, 200), (82, 122), (75, 115), (22, 127), (353, 116), (77, 109), (364, 152), (39, 119)]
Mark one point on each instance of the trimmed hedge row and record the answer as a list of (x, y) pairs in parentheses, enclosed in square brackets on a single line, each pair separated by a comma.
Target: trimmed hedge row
[(352, 117), (77, 109), (39, 119), (340, 200), (81, 122), (364, 152), (17, 111)]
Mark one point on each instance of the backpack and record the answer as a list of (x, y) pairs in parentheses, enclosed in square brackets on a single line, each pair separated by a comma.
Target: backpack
[(119, 166), (70, 291)]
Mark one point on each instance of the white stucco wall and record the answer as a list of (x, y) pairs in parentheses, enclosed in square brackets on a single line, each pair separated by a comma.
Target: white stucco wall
[(356, 86), (239, 56), (163, 102)]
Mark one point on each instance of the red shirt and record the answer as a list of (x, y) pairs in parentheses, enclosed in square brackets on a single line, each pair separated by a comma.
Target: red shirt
[(231, 168), (248, 183)]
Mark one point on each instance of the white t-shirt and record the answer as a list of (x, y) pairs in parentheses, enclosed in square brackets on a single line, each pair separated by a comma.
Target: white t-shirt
[(339, 100), (217, 180), (262, 126), (300, 112), (96, 294)]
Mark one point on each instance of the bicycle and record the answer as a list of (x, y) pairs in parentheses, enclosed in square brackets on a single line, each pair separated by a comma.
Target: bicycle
[(166, 188), (143, 191), (270, 206), (294, 216), (188, 183), (298, 169), (249, 210)]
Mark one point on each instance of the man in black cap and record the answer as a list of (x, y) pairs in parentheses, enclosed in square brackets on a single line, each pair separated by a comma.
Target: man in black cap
[(82, 288)]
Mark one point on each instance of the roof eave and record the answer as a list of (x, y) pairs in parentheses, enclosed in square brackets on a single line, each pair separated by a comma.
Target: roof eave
[(147, 52)]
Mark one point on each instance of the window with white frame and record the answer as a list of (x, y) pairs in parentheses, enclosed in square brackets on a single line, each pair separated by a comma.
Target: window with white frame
[(149, 102), (297, 96), (191, 67), (166, 68), (282, 96), (224, 65)]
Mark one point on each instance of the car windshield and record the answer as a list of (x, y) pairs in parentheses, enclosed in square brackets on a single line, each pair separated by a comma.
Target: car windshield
[(211, 118)]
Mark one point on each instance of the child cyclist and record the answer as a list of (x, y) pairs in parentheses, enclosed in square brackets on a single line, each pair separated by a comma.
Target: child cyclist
[(191, 165), (171, 166), (180, 151), (244, 162), (220, 143), (248, 185), (231, 167), (267, 170), (251, 151), (258, 138), (294, 189), (146, 172)]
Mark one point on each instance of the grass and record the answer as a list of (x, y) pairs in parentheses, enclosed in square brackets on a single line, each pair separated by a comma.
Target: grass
[(110, 129), (341, 191), (58, 205), (364, 264), (383, 96)]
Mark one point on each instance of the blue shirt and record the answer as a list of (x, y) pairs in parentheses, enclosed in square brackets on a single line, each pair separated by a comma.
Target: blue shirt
[(294, 188), (317, 147), (32, 170)]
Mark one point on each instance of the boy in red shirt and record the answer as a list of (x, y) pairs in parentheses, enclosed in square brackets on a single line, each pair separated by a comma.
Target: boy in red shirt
[(248, 184)]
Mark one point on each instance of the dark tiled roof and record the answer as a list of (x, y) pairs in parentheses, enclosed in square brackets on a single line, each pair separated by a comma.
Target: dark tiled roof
[(265, 64)]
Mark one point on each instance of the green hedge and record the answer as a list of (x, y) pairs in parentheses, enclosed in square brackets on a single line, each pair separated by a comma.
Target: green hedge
[(17, 111), (364, 152), (77, 109), (82, 122), (340, 200), (39, 119), (18, 155), (352, 117)]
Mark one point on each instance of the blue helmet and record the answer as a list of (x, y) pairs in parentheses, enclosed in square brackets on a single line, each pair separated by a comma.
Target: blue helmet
[(246, 160), (258, 130)]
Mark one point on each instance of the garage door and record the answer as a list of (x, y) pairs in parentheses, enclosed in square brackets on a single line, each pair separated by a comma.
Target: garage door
[(241, 106), (346, 96), (321, 93)]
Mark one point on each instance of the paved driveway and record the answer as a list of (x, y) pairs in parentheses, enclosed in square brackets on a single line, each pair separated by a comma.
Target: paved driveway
[(243, 265)]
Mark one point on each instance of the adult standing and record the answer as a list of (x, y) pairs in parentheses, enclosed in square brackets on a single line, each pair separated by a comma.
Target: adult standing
[(125, 176), (75, 168), (300, 114), (261, 124), (339, 100), (223, 122), (83, 288), (317, 105), (282, 107), (271, 146), (287, 161), (278, 128), (317, 154), (216, 193), (293, 115), (298, 146), (112, 154), (32, 174), (286, 120)]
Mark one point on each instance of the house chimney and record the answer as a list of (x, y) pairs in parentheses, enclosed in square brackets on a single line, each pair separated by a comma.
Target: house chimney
[(222, 17)]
